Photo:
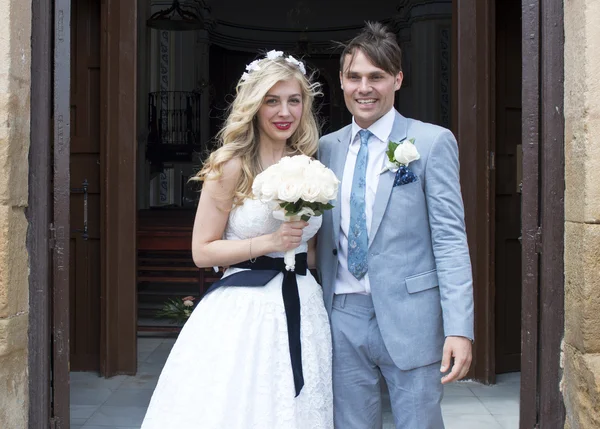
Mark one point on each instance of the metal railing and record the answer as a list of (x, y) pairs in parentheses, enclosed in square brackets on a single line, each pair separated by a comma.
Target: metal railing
[(174, 118)]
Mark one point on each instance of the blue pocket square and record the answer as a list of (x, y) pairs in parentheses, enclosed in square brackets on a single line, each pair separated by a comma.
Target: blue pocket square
[(404, 176)]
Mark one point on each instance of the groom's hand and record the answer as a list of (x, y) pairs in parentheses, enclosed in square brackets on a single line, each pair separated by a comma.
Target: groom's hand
[(459, 350)]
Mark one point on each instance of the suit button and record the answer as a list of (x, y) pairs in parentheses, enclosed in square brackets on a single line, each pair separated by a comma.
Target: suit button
[(335, 252)]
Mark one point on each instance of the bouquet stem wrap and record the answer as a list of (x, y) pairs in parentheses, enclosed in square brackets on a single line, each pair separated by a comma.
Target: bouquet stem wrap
[(290, 256)]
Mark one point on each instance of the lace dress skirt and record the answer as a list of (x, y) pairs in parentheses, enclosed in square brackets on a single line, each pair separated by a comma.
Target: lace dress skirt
[(230, 367)]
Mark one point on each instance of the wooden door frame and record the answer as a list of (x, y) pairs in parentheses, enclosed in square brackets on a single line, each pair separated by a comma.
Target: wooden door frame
[(38, 215), (118, 119), (543, 214), (48, 218), (60, 235)]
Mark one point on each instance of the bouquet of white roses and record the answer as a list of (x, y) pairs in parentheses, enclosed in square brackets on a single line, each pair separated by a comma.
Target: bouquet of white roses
[(299, 187)]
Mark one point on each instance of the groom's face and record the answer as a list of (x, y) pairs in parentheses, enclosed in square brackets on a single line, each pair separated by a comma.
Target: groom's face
[(368, 90)]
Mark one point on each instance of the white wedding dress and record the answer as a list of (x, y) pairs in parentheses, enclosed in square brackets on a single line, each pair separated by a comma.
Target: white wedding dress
[(230, 367)]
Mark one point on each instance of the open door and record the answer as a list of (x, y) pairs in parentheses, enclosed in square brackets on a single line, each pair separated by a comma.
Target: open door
[(95, 282), (118, 209), (85, 194), (92, 232), (472, 122), (102, 169)]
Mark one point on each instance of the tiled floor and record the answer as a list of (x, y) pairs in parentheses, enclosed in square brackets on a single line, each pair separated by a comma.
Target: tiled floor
[(120, 402)]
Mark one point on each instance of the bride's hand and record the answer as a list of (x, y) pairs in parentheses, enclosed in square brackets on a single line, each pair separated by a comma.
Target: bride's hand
[(288, 236)]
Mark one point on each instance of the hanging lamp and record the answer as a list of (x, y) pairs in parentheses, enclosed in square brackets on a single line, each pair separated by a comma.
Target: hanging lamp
[(176, 18)]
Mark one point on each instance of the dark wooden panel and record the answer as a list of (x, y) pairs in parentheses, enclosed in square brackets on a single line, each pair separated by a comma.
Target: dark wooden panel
[(472, 95), (118, 140), (507, 195), (38, 216), (85, 166), (165, 230)]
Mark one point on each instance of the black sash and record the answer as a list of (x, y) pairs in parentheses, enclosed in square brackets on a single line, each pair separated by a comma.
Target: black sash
[(262, 271)]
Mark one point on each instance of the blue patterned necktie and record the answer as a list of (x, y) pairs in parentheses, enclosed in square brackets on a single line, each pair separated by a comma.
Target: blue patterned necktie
[(358, 240)]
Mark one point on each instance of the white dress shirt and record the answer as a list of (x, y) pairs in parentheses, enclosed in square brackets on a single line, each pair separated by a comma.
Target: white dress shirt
[(345, 282)]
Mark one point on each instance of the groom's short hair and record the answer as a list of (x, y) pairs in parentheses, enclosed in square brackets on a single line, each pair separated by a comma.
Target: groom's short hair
[(378, 44)]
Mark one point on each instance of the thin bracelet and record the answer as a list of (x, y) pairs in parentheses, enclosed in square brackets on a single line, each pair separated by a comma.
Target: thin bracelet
[(252, 260)]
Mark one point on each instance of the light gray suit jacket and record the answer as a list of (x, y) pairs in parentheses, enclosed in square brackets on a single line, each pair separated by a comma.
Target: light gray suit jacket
[(419, 266)]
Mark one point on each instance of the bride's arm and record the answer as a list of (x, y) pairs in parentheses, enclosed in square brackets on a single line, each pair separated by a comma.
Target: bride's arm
[(208, 247)]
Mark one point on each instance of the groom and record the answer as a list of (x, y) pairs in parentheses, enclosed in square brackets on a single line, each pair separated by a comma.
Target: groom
[(392, 254)]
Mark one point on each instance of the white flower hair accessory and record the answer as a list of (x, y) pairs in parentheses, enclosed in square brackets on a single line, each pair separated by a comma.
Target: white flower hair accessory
[(272, 55), (253, 66), (297, 63)]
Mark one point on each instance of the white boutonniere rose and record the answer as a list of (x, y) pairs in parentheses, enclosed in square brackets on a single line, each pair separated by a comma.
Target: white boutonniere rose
[(400, 154)]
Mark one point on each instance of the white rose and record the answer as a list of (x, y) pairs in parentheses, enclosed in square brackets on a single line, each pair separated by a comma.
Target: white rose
[(269, 189), (188, 303), (293, 167), (329, 192), (272, 171), (406, 152), (289, 190), (265, 184), (311, 189), (296, 161), (315, 163), (257, 186), (312, 170), (328, 183)]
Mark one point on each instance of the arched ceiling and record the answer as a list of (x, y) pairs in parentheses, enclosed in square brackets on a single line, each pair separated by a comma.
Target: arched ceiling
[(314, 24), (297, 15)]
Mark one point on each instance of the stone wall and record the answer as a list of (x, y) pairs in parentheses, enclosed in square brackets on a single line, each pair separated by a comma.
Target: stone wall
[(15, 65), (581, 348)]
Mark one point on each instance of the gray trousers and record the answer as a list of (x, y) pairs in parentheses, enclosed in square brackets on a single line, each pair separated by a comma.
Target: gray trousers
[(360, 359)]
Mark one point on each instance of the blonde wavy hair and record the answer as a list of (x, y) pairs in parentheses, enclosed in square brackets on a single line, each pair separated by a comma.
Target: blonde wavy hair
[(239, 136)]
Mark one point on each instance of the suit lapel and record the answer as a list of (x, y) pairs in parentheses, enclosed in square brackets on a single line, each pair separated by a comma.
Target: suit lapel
[(386, 180), (338, 161)]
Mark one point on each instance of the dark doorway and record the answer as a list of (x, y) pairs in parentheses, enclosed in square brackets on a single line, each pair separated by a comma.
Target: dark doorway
[(507, 187), (471, 122)]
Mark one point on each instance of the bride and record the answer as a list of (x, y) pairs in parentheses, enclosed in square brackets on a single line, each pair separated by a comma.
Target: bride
[(239, 362)]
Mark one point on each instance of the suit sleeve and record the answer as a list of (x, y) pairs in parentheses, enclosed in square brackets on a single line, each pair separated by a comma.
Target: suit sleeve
[(448, 236), (320, 155), (321, 149)]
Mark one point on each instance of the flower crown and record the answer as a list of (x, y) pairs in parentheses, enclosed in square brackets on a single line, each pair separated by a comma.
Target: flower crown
[(272, 55)]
